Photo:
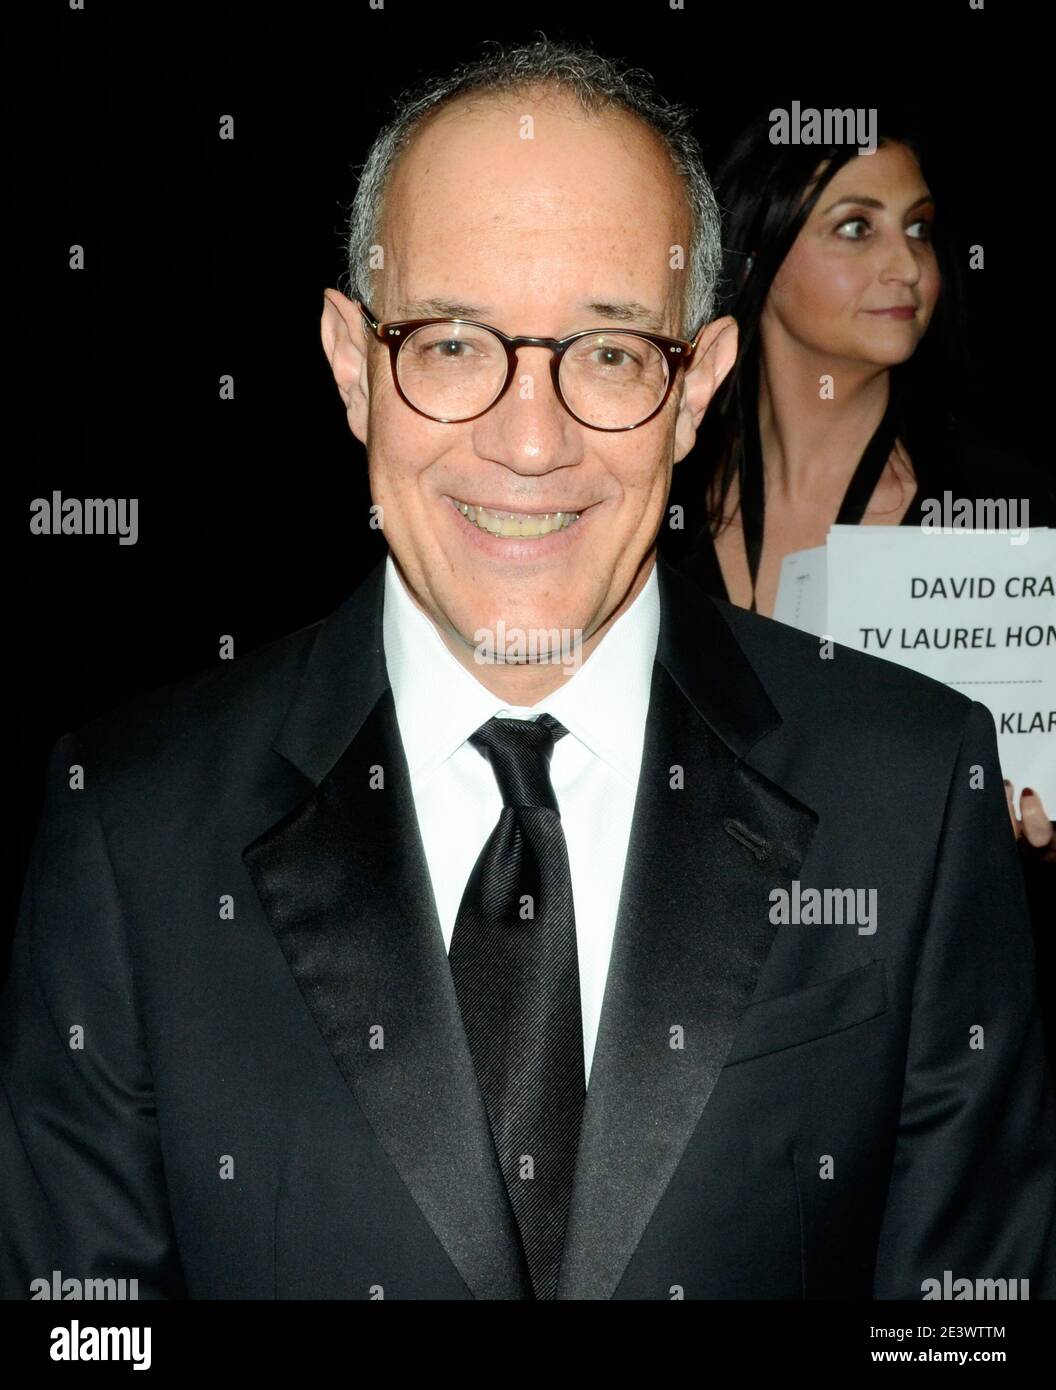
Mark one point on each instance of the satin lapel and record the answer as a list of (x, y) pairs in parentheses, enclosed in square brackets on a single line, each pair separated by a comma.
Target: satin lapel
[(711, 838), (344, 883)]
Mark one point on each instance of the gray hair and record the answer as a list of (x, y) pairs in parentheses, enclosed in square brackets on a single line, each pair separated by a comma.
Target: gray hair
[(596, 83)]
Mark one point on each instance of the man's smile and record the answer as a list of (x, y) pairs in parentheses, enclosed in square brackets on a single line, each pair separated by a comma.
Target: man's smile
[(519, 525), (523, 537)]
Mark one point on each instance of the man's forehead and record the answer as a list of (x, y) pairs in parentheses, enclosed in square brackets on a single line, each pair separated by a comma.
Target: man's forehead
[(581, 174), (597, 249)]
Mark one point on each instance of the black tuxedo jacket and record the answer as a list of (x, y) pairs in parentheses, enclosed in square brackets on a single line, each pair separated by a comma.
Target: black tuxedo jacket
[(232, 1056)]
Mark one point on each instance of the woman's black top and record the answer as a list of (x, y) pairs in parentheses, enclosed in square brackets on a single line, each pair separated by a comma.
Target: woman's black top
[(968, 468)]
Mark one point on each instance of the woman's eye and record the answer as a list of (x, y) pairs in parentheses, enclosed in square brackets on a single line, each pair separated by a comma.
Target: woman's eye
[(845, 229), (923, 229)]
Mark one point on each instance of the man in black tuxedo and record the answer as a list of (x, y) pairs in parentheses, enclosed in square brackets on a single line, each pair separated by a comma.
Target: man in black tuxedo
[(464, 944)]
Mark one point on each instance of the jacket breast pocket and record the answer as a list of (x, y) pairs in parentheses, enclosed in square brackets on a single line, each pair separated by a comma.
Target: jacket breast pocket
[(786, 1020)]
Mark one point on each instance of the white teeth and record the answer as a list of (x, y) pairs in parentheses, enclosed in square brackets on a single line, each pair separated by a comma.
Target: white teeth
[(516, 524)]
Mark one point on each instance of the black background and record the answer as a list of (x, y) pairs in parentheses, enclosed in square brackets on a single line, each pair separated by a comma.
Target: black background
[(206, 257)]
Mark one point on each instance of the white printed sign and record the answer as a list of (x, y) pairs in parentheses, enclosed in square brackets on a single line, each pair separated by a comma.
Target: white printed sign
[(974, 609)]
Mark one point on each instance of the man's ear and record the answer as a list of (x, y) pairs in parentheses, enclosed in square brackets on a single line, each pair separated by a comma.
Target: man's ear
[(344, 336), (715, 355)]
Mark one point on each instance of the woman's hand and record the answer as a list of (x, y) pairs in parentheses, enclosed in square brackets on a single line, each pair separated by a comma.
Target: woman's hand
[(1034, 832)]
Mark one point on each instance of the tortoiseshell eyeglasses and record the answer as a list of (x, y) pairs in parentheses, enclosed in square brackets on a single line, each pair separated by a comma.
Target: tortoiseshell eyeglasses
[(452, 370)]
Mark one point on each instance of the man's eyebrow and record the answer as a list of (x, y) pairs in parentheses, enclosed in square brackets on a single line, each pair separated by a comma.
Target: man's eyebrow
[(440, 309), (626, 311), (876, 203), (622, 311)]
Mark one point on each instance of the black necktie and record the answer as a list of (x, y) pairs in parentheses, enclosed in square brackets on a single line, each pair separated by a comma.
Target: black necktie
[(516, 972)]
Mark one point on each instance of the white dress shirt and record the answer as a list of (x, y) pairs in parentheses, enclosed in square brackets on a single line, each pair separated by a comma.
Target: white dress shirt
[(594, 768)]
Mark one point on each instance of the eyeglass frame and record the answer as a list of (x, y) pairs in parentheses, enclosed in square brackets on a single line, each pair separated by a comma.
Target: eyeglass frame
[(395, 333)]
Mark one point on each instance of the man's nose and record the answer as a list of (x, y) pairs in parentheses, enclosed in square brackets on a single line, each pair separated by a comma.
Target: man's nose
[(528, 429)]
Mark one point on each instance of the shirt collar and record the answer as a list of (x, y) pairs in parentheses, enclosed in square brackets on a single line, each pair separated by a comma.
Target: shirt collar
[(439, 703)]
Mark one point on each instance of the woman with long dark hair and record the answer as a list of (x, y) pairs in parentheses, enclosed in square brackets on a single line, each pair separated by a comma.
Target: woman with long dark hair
[(840, 407)]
